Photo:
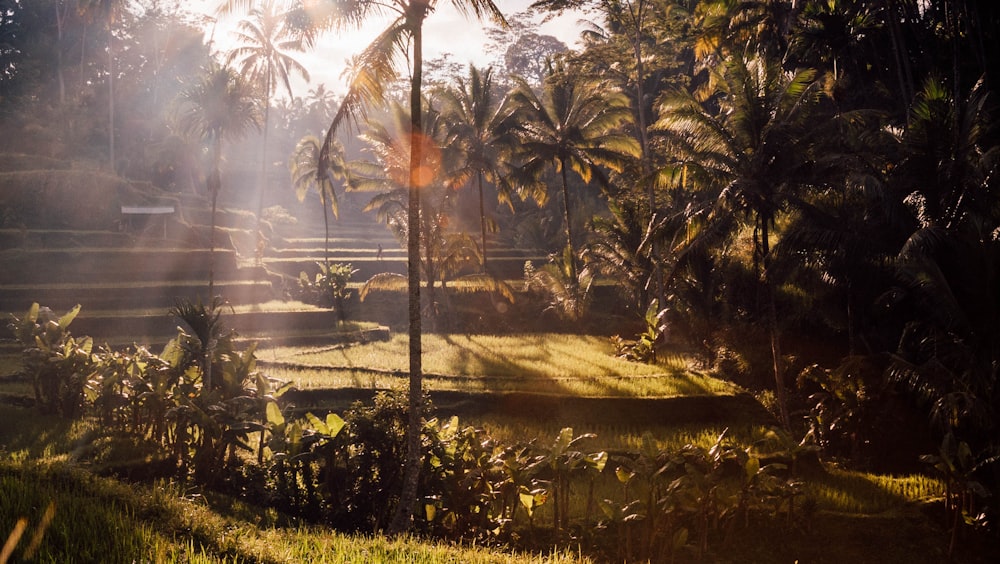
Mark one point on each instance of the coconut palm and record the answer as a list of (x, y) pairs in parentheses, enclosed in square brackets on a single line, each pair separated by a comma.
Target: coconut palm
[(265, 40), (949, 267), (304, 165), (575, 124), (480, 125), (218, 105), (445, 251), (373, 73), (752, 155)]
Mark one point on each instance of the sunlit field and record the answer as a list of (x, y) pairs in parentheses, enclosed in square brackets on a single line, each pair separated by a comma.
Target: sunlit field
[(103, 520), (542, 363)]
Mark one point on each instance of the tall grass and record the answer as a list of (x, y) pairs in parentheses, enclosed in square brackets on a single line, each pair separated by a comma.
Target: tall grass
[(59, 514)]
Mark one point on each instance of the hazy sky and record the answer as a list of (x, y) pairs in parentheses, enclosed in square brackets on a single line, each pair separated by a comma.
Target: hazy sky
[(445, 31)]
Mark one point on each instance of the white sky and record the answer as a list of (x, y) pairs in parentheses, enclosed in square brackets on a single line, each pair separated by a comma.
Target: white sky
[(445, 31)]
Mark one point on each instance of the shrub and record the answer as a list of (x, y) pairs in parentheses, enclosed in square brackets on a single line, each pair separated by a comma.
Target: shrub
[(58, 364), (328, 288)]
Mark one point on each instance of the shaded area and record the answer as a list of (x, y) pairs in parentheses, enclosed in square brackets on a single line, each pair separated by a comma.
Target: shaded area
[(569, 410)]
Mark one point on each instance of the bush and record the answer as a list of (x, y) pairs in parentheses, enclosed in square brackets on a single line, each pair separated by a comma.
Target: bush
[(58, 364), (328, 288)]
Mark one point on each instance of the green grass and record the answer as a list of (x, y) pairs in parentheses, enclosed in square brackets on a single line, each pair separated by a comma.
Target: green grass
[(868, 494), (542, 363), (63, 515), (617, 436)]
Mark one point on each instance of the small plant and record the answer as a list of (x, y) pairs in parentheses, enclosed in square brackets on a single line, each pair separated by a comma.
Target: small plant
[(643, 348), (328, 288), (565, 295)]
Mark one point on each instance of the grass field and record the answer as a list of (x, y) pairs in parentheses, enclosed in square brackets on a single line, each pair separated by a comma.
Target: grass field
[(851, 517), (542, 363)]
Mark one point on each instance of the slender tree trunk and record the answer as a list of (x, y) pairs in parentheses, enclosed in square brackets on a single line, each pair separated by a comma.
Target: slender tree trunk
[(111, 102), (59, 54), (637, 14), (262, 181), (214, 186), (482, 216), (772, 322), (903, 72), (569, 226), (429, 270), (326, 227), (411, 476)]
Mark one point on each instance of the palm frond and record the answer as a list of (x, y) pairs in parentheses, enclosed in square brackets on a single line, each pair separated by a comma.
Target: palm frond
[(383, 281)]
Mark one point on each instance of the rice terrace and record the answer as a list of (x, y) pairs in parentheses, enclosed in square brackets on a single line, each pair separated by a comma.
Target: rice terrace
[(552, 281)]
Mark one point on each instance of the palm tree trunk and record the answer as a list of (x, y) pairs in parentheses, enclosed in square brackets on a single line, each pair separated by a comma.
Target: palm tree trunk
[(214, 185), (263, 151), (111, 102), (569, 226), (637, 13), (326, 228), (772, 322), (482, 216), (59, 55), (407, 500)]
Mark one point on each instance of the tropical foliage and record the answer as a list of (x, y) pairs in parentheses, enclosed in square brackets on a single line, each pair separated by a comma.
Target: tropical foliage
[(807, 190)]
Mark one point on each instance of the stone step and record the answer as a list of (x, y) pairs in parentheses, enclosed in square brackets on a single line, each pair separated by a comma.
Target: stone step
[(132, 296), (100, 265), (316, 325)]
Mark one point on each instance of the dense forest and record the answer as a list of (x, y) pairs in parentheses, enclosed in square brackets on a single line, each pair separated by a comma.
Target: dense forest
[(801, 193)]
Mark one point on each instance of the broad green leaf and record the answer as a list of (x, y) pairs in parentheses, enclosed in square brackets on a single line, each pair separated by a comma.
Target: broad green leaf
[(563, 440), (274, 416), (598, 460), (680, 538), (65, 320), (334, 424), (317, 423), (431, 510), (32, 315), (528, 501), (752, 466)]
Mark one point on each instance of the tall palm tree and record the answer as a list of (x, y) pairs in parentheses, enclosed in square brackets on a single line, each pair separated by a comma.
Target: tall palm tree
[(108, 12), (306, 176), (265, 39), (480, 125), (949, 267), (753, 155), (374, 72), (218, 105), (576, 125)]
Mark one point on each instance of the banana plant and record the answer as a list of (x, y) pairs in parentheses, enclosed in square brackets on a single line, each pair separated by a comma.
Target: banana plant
[(957, 465), (562, 460), (59, 364)]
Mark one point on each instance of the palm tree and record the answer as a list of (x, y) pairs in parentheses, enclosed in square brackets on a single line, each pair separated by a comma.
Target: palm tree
[(218, 105), (107, 12), (445, 252), (480, 125), (752, 154), (949, 267), (266, 38), (304, 165), (375, 71), (574, 125)]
